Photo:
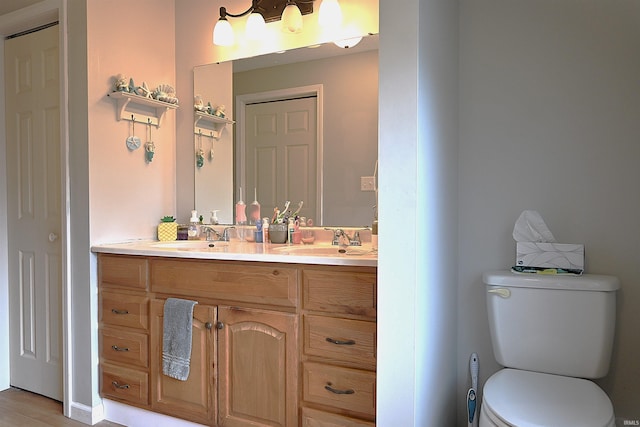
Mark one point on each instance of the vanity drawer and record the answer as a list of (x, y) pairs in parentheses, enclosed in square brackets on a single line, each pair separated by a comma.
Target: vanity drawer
[(122, 271), (344, 388), (341, 340), (340, 292), (262, 283), (122, 309), (129, 348), (315, 418), (124, 384)]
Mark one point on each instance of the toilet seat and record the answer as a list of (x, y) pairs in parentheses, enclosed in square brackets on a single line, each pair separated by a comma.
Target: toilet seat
[(530, 399)]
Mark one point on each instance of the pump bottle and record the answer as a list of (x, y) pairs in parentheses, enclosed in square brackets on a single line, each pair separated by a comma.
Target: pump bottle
[(194, 225)]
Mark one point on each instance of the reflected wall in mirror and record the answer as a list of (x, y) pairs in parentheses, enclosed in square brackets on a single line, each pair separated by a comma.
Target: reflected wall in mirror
[(347, 133)]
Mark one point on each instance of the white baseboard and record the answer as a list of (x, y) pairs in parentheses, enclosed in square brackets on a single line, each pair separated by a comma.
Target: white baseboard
[(135, 417), (86, 414)]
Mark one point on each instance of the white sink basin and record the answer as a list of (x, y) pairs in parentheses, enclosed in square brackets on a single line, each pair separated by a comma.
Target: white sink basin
[(192, 245), (325, 251)]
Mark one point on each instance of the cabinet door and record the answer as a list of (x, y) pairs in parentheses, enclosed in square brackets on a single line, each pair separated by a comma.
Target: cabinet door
[(193, 399), (258, 367)]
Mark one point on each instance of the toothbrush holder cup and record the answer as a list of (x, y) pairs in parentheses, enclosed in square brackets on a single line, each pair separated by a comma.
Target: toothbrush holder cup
[(278, 233)]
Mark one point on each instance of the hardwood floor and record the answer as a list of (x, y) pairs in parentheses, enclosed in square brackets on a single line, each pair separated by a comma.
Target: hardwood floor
[(19, 408)]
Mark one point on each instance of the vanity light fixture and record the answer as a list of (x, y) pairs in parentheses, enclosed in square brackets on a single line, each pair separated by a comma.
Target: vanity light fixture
[(262, 11), (349, 42)]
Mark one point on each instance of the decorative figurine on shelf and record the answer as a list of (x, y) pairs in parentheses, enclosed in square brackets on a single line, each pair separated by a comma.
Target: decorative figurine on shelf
[(198, 103), (120, 84), (219, 111), (132, 87), (209, 108), (165, 93), (144, 90)]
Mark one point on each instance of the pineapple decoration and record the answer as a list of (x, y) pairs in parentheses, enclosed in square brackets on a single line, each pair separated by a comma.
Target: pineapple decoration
[(168, 229)]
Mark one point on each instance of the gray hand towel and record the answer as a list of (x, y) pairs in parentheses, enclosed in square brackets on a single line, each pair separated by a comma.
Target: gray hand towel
[(176, 338)]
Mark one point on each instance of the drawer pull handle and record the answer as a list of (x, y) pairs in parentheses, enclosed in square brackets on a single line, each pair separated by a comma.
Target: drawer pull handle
[(340, 342), (116, 311), (116, 348), (123, 386), (337, 391)]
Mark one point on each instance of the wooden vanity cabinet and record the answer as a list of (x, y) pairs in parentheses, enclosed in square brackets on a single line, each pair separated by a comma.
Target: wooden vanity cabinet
[(257, 367), (339, 307), (194, 399), (123, 331), (273, 344), (255, 342)]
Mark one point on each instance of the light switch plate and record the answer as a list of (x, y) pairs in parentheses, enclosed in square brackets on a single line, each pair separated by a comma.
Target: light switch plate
[(367, 183)]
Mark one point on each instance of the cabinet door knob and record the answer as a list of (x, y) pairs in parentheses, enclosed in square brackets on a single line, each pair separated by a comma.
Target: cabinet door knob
[(219, 325), (208, 325)]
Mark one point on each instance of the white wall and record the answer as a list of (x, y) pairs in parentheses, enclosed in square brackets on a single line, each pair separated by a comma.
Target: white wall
[(549, 120), (418, 191)]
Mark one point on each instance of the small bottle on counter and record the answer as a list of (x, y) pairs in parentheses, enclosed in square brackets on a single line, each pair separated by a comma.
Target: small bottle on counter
[(194, 226), (258, 233), (291, 229), (265, 230)]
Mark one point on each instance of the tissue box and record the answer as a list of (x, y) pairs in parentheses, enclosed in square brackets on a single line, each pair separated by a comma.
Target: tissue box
[(550, 255)]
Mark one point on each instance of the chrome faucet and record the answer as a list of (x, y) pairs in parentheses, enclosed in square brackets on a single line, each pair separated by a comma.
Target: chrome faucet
[(342, 238), (210, 233), (225, 233)]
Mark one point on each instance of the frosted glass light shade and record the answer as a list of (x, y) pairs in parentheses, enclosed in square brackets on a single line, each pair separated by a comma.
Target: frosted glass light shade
[(330, 14), (255, 26), (347, 43), (223, 33), (291, 19)]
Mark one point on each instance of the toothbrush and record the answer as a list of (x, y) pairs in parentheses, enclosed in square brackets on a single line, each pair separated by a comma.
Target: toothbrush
[(472, 403), (295, 214), (473, 368)]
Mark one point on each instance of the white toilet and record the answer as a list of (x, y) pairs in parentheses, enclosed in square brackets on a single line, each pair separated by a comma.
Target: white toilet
[(549, 332)]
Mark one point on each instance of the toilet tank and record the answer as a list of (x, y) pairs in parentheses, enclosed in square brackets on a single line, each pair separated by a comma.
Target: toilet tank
[(556, 324)]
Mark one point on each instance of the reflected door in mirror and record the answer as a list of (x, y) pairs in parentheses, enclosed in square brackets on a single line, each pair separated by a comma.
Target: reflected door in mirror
[(281, 144)]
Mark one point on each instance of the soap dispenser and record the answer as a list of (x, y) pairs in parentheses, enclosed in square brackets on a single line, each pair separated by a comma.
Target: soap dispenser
[(194, 225), (214, 217)]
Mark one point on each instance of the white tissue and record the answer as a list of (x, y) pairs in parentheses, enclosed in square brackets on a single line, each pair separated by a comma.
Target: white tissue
[(530, 227)]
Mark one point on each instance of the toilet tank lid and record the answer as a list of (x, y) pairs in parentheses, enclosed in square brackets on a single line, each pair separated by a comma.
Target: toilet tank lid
[(585, 282)]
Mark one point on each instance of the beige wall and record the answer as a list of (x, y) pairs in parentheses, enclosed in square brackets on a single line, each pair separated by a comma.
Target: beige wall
[(142, 46), (350, 133)]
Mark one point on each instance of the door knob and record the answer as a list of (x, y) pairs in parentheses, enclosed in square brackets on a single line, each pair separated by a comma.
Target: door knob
[(53, 237)]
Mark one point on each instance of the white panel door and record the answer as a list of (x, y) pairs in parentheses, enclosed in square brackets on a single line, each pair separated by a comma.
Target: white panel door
[(32, 97), (281, 141)]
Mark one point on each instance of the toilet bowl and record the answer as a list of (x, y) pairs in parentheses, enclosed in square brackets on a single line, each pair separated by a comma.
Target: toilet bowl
[(516, 398), (552, 334)]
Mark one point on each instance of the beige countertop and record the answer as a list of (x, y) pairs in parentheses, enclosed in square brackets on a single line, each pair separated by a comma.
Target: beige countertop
[(317, 253)]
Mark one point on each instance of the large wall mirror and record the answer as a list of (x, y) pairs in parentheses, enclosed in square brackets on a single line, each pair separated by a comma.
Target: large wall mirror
[(306, 128)]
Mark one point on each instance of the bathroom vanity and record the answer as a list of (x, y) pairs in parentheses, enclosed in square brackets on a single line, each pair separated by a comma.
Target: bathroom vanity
[(279, 338)]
